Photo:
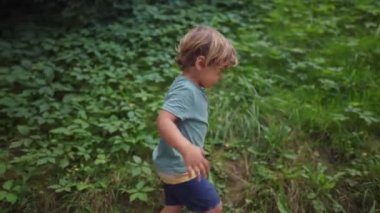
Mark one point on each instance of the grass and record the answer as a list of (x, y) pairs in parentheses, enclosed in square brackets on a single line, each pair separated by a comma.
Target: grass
[(294, 128), (295, 132)]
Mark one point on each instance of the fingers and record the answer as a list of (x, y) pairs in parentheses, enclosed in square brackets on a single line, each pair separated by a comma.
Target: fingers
[(200, 170), (203, 168), (204, 164), (190, 171), (194, 170), (197, 164)]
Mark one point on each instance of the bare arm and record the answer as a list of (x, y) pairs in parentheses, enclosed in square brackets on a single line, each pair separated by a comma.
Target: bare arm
[(169, 131), (193, 155)]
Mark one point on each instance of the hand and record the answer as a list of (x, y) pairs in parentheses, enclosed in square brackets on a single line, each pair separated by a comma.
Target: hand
[(195, 161)]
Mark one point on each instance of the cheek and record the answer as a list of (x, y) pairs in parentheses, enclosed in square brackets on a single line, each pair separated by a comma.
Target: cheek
[(211, 78), (214, 79), (217, 76)]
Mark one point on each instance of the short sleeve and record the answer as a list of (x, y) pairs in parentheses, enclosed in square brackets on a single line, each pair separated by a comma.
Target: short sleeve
[(179, 102)]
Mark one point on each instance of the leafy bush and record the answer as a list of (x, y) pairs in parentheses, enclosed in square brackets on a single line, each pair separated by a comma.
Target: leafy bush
[(293, 128)]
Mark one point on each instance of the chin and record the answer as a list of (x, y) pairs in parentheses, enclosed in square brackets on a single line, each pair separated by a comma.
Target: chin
[(209, 86)]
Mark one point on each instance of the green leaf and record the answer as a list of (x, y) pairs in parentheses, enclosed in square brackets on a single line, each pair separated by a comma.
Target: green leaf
[(126, 147), (49, 74), (147, 189), (64, 163), (82, 186), (142, 197), (23, 130), (51, 160), (12, 198), (282, 204), (16, 144), (131, 191), (3, 194), (8, 185), (290, 155), (61, 130), (146, 170), (26, 63), (138, 196), (82, 114), (3, 168), (133, 197), (44, 107), (103, 184), (136, 159), (311, 195), (101, 159), (136, 171), (140, 185), (9, 102)]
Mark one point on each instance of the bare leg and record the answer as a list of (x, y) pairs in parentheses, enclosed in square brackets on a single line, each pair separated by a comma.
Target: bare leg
[(217, 209), (172, 209)]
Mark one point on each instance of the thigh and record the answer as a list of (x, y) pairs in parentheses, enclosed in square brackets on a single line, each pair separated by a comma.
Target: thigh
[(197, 196), (172, 209), (171, 197)]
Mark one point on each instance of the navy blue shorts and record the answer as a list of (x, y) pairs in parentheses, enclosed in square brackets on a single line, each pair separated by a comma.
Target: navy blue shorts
[(197, 196)]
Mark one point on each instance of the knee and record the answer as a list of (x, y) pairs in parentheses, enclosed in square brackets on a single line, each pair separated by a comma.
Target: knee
[(217, 209), (172, 209)]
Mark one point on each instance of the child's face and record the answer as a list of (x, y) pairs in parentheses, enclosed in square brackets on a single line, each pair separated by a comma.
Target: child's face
[(210, 75)]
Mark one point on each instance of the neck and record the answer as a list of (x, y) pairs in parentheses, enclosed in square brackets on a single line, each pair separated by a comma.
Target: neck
[(190, 73)]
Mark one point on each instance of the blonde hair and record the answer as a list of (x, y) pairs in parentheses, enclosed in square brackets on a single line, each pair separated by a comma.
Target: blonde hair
[(207, 42)]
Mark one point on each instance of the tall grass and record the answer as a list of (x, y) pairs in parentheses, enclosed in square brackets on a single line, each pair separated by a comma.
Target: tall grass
[(305, 118)]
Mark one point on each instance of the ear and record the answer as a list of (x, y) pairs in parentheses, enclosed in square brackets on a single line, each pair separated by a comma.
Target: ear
[(200, 62)]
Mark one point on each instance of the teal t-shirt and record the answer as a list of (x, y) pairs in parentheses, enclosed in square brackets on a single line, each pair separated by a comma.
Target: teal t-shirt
[(188, 102)]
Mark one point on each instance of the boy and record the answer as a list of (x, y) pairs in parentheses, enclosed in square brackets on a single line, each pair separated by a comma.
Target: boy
[(203, 54)]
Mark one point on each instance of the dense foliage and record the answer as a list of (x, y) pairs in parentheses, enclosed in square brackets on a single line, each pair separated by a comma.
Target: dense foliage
[(294, 128)]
